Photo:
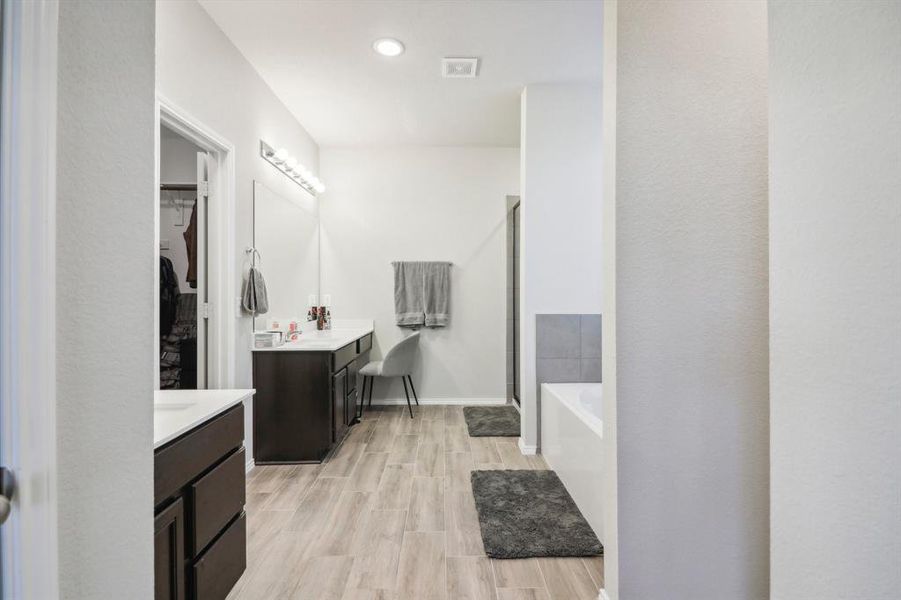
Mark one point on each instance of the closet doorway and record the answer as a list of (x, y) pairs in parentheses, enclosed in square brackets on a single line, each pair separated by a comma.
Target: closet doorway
[(195, 244), (182, 231)]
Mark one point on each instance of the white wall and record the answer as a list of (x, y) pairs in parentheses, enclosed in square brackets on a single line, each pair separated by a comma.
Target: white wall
[(561, 217), (201, 71), (423, 203), (608, 332), (691, 301), (105, 291), (835, 298), (178, 158)]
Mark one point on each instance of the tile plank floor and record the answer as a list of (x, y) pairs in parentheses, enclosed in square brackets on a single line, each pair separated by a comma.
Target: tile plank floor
[(391, 516)]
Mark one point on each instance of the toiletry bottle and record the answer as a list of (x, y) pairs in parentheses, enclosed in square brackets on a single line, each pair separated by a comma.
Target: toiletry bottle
[(320, 322), (328, 318)]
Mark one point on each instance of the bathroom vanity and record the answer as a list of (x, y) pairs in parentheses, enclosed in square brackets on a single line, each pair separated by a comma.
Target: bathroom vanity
[(199, 492), (307, 394)]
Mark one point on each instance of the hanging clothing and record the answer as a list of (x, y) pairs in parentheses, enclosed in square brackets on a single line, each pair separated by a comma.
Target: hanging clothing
[(169, 293), (190, 236), (178, 349)]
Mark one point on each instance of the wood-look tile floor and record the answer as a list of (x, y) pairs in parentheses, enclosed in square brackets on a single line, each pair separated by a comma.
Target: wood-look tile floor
[(391, 516)]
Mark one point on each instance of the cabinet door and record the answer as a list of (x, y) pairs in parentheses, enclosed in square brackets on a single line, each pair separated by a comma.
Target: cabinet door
[(339, 399), (168, 553), (350, 407)]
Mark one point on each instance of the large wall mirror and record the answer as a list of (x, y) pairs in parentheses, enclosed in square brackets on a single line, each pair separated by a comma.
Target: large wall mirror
[(286, 234)]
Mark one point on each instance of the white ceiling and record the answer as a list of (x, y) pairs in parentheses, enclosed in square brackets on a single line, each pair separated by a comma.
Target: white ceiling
[(317, 56)]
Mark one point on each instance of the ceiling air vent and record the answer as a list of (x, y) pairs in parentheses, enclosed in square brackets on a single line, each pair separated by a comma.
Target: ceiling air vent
[(460, 68)]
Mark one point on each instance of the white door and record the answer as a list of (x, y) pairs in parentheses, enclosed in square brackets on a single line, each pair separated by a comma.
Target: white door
[(204, 308), (28, 542)]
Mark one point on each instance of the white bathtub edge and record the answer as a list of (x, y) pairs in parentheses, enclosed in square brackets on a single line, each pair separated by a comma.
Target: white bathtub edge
[(573, 447), (594, 423)]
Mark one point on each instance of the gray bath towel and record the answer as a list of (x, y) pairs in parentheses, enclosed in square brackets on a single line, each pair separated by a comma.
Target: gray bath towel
[(255, 300), (437, 294), (409, 307), (422, 293)]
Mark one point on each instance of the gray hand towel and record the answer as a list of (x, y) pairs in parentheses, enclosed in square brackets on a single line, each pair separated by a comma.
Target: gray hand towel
[(437, 293), (255, 300), (409, 305)]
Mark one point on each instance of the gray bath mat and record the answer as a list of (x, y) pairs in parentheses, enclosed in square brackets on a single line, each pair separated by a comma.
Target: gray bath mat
[(529, 513), (492, 421)]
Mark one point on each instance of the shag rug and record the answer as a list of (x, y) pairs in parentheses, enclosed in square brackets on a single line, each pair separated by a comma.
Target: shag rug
[(524, 514), (492, 421)]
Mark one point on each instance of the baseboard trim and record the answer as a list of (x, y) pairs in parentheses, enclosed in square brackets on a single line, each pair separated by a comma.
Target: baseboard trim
[(443, 401), (250, 464), (527, 450)]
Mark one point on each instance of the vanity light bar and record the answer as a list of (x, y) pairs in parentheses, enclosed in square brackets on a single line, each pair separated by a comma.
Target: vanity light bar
[(288, 165)]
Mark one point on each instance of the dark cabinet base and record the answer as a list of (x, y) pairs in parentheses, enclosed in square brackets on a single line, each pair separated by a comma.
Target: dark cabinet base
[(200, 531), (305, 402)]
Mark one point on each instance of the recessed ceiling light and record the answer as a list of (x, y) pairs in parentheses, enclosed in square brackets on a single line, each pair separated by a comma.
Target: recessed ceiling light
[(388, 47)]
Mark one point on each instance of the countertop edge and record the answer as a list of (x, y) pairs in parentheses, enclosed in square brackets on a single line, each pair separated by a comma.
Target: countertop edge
[(358, 334), (217, 410)]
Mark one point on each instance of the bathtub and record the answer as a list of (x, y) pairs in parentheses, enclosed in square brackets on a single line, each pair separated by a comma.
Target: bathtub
[(572, 443)]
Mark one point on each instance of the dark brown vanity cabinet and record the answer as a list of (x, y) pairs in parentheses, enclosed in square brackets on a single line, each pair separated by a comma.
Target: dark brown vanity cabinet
[(200, 527), (305, 401)]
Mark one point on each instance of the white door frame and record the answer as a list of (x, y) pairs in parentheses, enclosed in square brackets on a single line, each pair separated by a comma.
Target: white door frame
[(28, 540), (221, 251)]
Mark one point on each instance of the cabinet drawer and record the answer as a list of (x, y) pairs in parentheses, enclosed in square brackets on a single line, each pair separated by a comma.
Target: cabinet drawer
[(216, 572), (217, 497), (175, 465), (340, 358), (364, 344)]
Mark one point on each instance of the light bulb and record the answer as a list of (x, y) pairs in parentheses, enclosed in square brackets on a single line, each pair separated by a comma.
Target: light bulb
[(388, 47), (282, 155)]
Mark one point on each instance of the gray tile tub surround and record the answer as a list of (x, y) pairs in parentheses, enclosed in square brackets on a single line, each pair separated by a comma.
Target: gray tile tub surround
[(568, 348)]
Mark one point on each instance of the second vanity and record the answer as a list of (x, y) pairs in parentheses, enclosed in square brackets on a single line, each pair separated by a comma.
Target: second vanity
[(199, 462), (306, 393)]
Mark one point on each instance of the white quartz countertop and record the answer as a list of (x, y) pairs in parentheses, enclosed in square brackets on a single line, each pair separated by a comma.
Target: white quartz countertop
[(321, 341), (175, 412)]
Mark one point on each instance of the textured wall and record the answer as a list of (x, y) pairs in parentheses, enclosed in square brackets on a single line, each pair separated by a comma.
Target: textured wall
[(105, 290), (691, 305), (835, 307), (423, 203), (201, 71)]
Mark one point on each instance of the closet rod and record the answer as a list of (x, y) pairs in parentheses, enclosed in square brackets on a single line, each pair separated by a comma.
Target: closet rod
[(178, 187)]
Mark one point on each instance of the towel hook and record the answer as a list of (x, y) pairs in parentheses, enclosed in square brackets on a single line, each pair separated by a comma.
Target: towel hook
[(254, 255)]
